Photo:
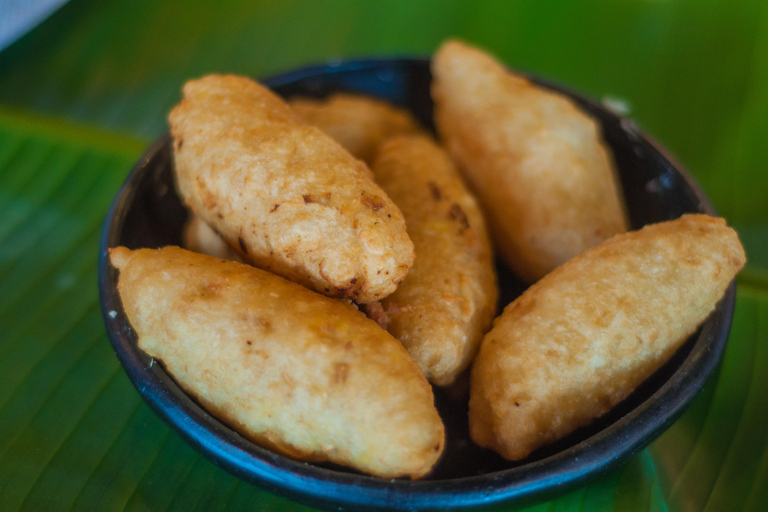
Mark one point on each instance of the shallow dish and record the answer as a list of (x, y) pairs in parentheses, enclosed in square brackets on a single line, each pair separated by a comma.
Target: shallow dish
[(147, 213)]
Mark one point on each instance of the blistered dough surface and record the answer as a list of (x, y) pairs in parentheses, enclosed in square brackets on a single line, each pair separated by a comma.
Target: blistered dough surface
[(293, 370), (581, 339), (445, 305), (284, 194)]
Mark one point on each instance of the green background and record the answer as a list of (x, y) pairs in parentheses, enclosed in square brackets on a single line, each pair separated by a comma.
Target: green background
[(83, 94)]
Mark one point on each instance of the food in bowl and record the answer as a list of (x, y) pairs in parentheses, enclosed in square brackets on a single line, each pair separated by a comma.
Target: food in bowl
[(533, 470)]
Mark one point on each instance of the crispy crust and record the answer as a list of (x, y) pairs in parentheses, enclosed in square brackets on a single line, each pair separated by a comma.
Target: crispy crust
[(283, 194), (581, 339), (441, 311), (296, 372), (537, 163)]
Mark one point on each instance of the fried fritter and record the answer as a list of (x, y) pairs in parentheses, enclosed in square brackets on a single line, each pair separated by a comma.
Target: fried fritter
[(286, 196), (536, 162), (441, 311), (359, 123), (585, 336), (297, 372)]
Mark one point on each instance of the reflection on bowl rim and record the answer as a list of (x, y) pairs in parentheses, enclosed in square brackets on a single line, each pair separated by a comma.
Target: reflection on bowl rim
[(554, 474)]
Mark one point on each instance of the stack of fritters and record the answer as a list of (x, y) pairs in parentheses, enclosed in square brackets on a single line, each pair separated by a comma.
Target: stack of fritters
[(359, 206)]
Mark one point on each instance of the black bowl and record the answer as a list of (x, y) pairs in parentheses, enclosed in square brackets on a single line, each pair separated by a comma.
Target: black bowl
[(147, 213)]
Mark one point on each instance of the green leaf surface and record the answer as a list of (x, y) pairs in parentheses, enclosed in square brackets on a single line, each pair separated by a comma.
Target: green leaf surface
[(82, 95)]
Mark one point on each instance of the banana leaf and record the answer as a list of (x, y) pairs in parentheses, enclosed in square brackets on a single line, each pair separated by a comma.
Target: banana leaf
[(83, 94)]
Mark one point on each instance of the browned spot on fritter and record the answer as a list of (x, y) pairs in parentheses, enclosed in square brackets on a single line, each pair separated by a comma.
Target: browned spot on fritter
[(375, 203), (435, 191), (242, 244), (179, 143), (459, 216), (219, 215), (351, 291), (249, 342), (340, 373), (208, 199), (256, 322), (323, 198), (275, 207), (212, 289), (260, 353), (264, 323)]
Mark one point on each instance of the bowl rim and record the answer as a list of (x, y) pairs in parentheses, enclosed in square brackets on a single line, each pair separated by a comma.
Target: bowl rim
[(304, 482)]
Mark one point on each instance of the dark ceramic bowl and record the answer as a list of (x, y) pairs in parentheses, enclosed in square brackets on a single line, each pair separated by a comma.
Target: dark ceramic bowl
[(147, 213)]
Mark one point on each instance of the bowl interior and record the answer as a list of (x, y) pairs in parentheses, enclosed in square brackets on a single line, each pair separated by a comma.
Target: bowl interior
[(147, 213)]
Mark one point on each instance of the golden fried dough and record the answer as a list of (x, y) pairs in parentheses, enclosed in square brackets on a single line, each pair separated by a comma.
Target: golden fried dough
[(284, 194), (537, 163), (441, 311), (581, 339), (198, 236), (293, 370), (359, 123)]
